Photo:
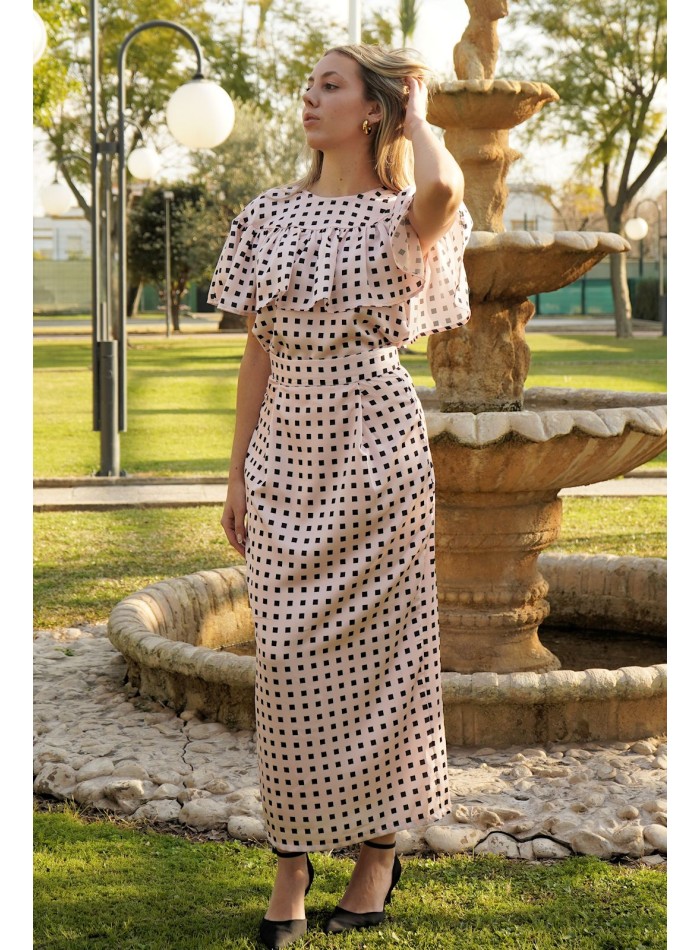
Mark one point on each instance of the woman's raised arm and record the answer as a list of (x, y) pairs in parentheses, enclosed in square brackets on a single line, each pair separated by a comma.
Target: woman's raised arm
[(439, 179)]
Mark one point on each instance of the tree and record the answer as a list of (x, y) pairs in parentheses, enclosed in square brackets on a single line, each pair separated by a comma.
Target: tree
[(260, 55), (196, 222), (607, 61), (155, 68), (287, 40), (53, 82), (254, 159), (408, 19), (378, 29)]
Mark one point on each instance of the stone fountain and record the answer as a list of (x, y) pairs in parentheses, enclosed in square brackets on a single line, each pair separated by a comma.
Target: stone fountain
[(502, 454)]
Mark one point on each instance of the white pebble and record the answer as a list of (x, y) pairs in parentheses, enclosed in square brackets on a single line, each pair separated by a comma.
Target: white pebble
[(544, 849), (498, 843), (656, 836), (245, 828), (166, 791)]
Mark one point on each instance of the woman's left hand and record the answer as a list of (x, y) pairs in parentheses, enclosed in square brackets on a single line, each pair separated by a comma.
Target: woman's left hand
[(417, 105)]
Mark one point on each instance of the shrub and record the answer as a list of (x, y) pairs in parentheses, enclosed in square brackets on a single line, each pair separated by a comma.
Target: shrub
[(645, 299)]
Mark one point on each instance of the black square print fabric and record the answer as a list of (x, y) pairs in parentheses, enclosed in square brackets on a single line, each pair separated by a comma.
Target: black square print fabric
[(340, 488)]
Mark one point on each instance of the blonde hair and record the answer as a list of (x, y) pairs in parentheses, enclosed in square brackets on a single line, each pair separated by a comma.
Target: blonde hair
[(383, 73)]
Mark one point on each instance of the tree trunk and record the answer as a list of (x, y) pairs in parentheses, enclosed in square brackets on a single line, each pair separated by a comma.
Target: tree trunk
[(134, 298), (176, 292), (620, 288), (175, 311), (621, 295)]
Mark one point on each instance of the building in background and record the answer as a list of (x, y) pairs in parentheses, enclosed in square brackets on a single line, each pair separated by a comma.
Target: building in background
[(62, 269), (66, 238), (62, 239), (526, 210)]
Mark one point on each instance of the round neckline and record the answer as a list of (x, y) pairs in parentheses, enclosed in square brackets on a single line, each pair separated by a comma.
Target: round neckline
[(357, 194)]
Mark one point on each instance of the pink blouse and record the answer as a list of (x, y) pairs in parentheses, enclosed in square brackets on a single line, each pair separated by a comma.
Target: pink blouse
[(327, 275)]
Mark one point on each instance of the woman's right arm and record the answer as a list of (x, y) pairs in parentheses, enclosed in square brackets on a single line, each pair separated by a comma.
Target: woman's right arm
[(252, 383)]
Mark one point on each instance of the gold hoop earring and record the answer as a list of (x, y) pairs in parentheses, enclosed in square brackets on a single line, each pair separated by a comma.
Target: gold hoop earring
[(366, 127)]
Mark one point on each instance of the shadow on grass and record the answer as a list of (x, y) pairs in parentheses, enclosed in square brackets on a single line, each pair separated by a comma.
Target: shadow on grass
[(62, 356), (136, 465)]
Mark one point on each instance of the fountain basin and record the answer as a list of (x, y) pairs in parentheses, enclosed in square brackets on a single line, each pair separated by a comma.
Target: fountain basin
[(487, 103), (513, 265), (498, 477), (561, 438), (179, 636)]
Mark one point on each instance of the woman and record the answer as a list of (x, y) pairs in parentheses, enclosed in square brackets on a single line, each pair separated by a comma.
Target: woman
[(331, 487)]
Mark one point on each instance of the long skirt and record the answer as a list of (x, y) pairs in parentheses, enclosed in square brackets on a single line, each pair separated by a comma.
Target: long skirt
[(340, 559)]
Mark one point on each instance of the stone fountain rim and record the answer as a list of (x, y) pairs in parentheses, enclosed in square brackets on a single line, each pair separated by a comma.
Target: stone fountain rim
[(542, 425), (133, 621), (568, 242), (454, 87)]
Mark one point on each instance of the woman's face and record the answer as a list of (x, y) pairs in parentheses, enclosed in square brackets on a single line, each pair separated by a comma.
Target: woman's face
[(334, 104)]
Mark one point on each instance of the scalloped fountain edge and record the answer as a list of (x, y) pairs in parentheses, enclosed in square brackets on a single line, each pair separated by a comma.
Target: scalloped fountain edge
[(162, 631)]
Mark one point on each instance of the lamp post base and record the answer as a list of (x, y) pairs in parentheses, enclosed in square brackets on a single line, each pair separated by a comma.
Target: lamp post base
[(109, 408), (662, 313)]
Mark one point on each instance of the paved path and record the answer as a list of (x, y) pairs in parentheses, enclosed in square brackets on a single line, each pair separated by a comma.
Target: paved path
[(89, 494), (207, 324)]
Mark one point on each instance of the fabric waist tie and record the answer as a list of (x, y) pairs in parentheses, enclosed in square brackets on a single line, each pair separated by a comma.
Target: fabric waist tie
[(340, 370)]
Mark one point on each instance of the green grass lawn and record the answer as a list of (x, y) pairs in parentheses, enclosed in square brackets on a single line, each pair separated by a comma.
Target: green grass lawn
[(106, 885), (181, 395), (181, 407), (86, 562)]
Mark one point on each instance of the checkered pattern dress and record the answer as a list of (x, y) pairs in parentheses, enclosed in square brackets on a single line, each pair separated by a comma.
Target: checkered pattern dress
[(340, 506)]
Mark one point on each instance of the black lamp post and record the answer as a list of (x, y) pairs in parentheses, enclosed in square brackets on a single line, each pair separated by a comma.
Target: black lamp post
[(200, 114), (168, 196)]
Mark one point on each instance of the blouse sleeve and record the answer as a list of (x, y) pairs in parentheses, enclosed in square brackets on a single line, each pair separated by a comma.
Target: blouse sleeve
[(230, 285), (442, 302)]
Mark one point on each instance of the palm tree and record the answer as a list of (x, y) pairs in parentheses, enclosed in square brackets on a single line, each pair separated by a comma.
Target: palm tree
[(264, 10), (408, 18)]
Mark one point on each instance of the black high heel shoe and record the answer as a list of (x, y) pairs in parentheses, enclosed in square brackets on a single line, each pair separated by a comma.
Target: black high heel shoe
[(342, 919), (280, 933)]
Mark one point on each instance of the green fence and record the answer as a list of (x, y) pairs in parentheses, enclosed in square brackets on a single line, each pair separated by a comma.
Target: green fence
[(152, 299), (592, 293), (63, 287)]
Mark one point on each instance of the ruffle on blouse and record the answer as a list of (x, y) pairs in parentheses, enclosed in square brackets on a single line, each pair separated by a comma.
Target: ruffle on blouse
[(442, 300), (368, 256)]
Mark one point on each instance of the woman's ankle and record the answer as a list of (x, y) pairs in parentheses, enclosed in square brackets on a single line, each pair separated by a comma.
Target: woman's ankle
[(383, 839)]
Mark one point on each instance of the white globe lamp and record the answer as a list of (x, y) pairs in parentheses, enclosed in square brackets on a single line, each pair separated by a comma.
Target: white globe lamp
[(56, 198), (636, 229), (143, 162), (200, 114), (39, 36)]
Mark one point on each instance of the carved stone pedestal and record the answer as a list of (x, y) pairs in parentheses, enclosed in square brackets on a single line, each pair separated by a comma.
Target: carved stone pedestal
[(482, 367), (491, 594)]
